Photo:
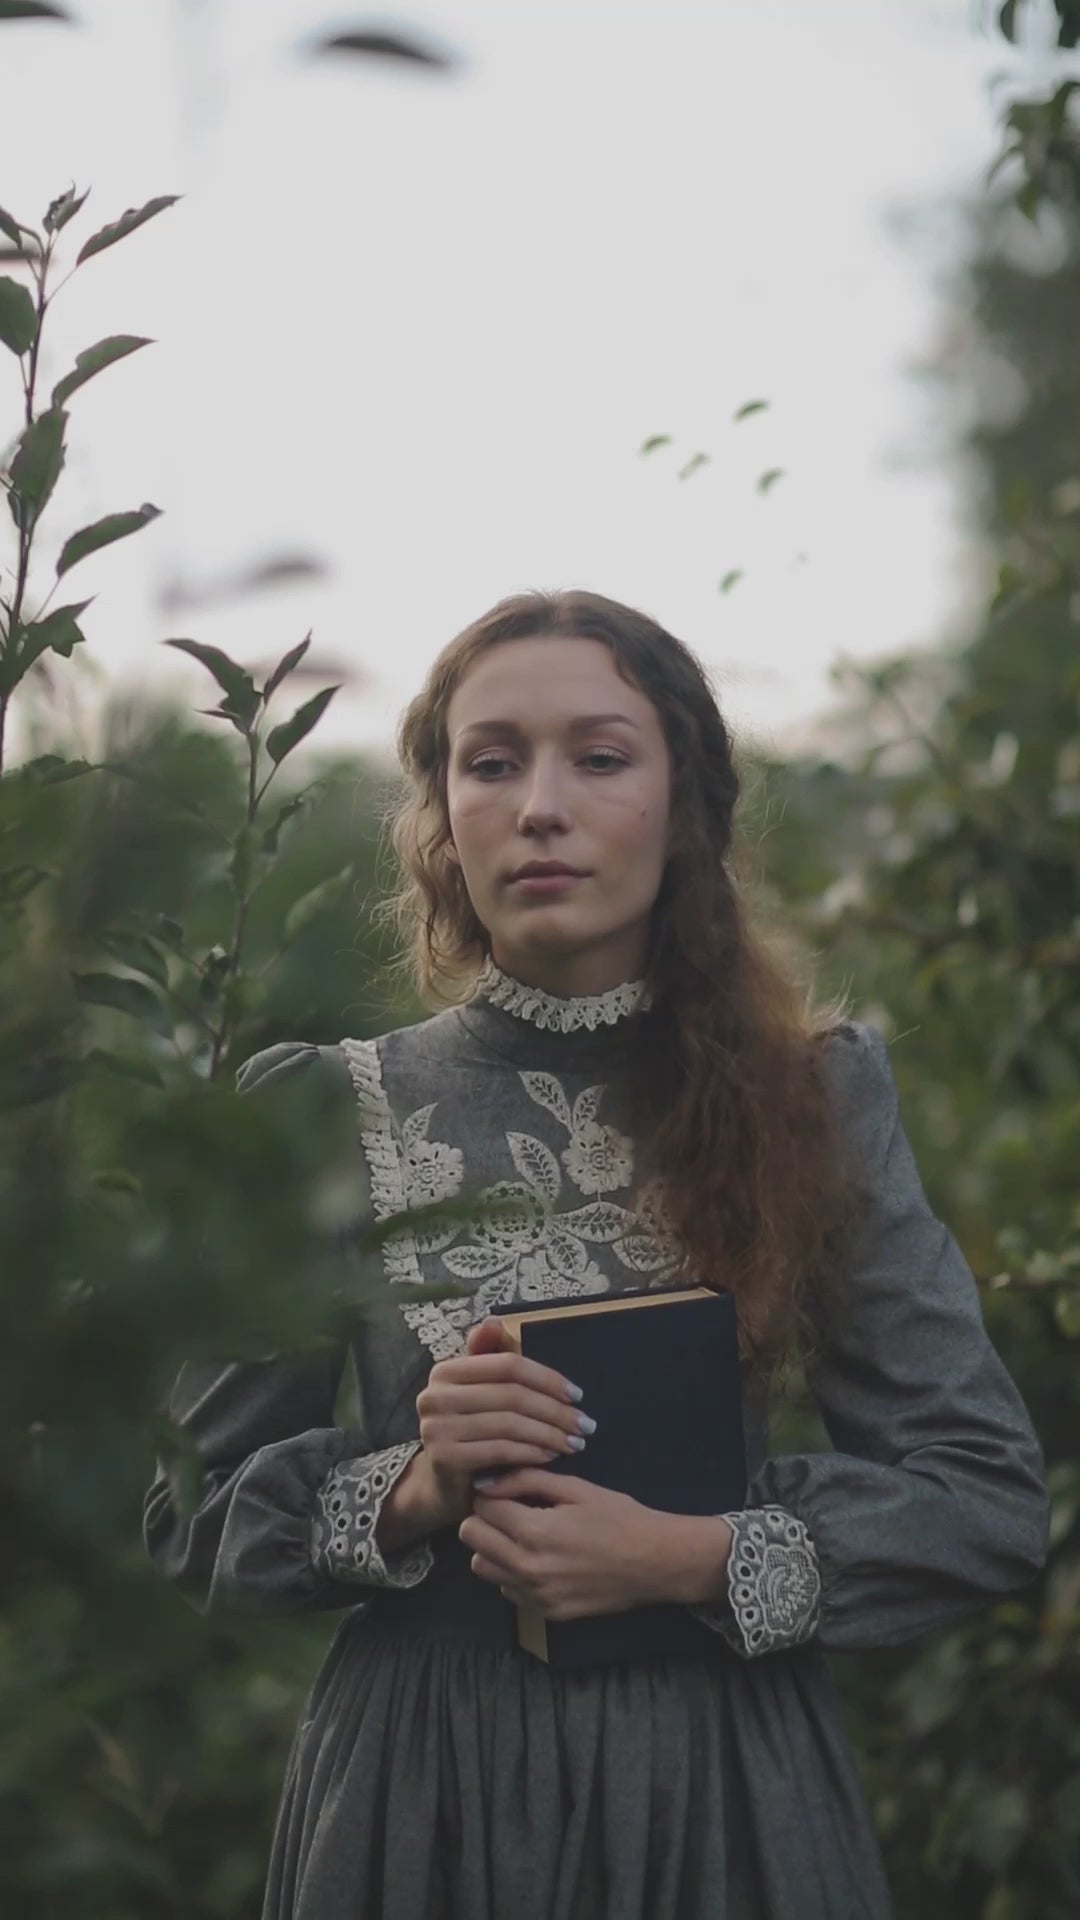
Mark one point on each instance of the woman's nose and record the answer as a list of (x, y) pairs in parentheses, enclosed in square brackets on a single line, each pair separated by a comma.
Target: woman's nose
[(544, 799)]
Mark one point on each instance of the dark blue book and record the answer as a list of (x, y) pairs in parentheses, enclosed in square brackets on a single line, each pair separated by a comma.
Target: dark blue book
[(661, 1378)]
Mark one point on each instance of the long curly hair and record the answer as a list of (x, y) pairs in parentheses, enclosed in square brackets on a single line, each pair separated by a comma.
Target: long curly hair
[(723, 1073)]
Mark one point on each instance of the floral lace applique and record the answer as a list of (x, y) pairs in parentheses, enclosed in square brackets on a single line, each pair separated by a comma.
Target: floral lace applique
[(531, 1249), (535, 1250)]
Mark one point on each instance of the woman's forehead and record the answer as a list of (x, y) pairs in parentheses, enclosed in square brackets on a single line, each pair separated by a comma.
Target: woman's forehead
[(551, 681)]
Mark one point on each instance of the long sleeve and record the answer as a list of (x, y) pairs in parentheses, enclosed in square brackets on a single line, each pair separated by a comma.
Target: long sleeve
[(290, 1501), (933, 1502)]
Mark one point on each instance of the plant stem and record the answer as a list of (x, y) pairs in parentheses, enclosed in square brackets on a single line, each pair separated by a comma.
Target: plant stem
[(243, 903), (26, 520)]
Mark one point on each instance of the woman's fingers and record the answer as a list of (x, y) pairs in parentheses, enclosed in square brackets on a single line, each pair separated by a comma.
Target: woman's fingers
[(452, 1402), (483, 1433), (484, 1369)]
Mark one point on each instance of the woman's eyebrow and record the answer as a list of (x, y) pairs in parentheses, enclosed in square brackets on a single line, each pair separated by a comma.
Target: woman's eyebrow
[(580, 724)]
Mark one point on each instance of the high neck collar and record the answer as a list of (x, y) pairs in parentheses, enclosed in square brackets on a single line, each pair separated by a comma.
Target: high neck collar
[(534, 1028), (558, 1013)]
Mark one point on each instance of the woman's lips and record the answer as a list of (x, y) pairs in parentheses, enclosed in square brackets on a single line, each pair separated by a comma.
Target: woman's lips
[(546, 882)]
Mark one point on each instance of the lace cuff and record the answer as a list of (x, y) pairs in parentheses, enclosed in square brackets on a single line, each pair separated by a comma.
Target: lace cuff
[(347, 1510), (774, 1584)]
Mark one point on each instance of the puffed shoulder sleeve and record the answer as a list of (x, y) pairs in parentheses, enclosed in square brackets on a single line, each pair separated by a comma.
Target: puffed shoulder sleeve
[(290, 1502), (933, 1502)]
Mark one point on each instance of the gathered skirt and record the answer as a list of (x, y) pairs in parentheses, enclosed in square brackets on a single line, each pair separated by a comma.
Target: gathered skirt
[(439, 1772)]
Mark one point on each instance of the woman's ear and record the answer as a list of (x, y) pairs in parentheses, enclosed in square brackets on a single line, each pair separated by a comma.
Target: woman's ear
[(452, 853)]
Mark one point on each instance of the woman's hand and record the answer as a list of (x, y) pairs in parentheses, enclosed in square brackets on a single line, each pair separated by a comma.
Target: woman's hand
[(587, 1550), (491, 1408)]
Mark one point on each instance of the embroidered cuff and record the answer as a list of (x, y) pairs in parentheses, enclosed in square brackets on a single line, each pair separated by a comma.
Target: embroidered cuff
[(347, 1510), (774, 1585)]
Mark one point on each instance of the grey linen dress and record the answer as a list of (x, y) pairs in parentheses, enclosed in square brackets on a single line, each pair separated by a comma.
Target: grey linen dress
[(439, 1772)]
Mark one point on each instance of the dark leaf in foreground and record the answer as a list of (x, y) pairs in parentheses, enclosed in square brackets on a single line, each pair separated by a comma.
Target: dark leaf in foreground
[(32, 10), (115, 526), (63, 209), (59, 630), (12, 227), (125, 996), (284, 667), (283, 739), (94, 359), (385, 46), (230, 676), (39, 460), (18, 321), (127, 223)]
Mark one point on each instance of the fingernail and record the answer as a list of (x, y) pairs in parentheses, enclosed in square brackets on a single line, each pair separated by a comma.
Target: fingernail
[(575, 1440), (485, 1482), (586, 1423), (572, 1392)]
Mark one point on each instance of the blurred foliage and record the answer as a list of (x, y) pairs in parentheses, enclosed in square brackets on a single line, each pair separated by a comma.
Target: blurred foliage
[(164, 910), (161, 917), (935, 864)]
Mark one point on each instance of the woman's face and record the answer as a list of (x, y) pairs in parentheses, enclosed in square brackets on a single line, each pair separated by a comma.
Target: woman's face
[(554, 758)]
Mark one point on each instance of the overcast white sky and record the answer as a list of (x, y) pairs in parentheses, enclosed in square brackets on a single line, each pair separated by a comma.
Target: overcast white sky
[(420, 325)]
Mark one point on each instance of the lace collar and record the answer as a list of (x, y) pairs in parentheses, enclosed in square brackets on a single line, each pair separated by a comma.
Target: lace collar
[(555, 1013)]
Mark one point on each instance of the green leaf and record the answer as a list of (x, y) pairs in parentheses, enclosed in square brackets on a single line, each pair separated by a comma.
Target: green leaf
[(769, 479), (23, 1083), (281, 740), (60, 631), (1067, 1312), (284, 667), (94, 360), (126, 996), (13, 228), (63, 209), (286, 812), (751, 407), (695, 461), (134, 950), (31, 10), (39, 459), (71, 770), (392, 46), (730, 579), (213, 970), (18, 320), (18, 882), (51, 769), (655, 440), (311, 904), (125, 1066), (170, 933), (127, 223), (117, 1180), (115, 526), (242, 700)]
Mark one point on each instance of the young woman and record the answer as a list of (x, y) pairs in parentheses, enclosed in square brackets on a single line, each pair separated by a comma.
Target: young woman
[(631, 1067)]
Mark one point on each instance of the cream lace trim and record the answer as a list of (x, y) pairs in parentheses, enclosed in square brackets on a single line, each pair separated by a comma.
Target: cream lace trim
[(555, 1014), (774, 1584), (346, 1515), (401, 1260)]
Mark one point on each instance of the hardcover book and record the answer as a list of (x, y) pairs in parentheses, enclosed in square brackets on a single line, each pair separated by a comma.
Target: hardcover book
[(661, 1378)]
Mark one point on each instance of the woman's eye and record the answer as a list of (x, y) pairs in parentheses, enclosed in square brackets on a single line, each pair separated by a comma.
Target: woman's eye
[(608, 761), (482, 766)]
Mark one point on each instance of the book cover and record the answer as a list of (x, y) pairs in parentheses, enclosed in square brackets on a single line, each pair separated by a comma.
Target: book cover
[(661, 1378)]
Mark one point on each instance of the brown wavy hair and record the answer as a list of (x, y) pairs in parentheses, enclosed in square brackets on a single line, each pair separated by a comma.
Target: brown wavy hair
[(725, 1066)]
